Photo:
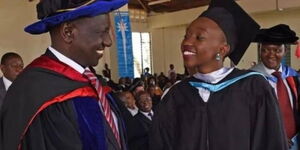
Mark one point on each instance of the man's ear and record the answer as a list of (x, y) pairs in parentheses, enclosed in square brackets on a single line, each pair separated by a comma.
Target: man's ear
[(2, 67), (67, 32)]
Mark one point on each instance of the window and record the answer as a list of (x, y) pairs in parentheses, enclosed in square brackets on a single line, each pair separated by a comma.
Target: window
[(141, 52)]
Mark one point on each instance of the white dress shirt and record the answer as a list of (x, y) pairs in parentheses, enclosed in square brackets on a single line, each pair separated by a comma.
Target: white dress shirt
[(268, 72), (212, 77), (147, 114), (134, 111), (7, 83), (80, 69)]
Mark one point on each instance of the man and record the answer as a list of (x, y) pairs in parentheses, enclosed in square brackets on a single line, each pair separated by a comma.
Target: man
[(142, 122), (129, 102), (137, 86), (273, 47), (57, 102), (11, 66), (171, 72)]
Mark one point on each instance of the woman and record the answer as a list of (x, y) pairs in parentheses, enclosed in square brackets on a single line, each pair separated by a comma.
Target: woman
[(218, 108)]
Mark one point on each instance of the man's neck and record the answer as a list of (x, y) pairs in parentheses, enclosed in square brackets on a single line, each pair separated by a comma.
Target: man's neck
[(61, 57)]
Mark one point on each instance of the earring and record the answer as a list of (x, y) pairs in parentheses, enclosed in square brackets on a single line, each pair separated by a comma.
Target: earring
[(218, 57)]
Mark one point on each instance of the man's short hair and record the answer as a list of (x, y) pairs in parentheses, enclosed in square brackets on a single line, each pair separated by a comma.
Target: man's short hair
[(8, 56)]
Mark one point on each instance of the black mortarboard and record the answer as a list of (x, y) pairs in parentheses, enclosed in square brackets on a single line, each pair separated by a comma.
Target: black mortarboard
[(279, 34), (238, 27)]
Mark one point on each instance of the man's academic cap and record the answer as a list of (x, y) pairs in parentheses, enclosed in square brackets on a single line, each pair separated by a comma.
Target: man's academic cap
[(54, 12), (279, 34)]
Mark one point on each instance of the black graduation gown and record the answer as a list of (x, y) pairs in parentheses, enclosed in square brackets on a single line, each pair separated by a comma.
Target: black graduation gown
[(73, 124), (243, 116)]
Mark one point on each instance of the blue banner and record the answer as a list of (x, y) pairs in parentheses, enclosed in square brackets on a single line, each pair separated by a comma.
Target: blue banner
[(124, 44)]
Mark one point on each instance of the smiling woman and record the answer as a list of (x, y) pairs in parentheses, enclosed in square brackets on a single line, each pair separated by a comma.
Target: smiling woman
[(218, 107)]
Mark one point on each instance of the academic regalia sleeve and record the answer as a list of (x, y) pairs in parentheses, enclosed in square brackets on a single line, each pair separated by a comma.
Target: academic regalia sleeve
[(54, 128), (160, 139), (268, 132)]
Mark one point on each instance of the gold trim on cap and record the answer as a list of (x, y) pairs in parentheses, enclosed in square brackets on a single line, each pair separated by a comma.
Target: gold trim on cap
[(71, 9)]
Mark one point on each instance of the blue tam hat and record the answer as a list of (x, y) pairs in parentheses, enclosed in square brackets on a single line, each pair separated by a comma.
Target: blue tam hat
[(54, 12)]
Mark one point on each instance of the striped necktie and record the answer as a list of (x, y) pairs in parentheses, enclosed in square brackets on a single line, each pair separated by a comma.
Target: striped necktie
[(285, 106), (104, 104)]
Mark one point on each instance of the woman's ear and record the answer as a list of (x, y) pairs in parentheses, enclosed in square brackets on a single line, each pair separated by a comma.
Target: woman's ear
[(67, 32), (224, 50)]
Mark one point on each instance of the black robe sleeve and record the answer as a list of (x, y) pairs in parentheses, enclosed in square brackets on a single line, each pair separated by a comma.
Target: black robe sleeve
[(266, 123), (54, 128)]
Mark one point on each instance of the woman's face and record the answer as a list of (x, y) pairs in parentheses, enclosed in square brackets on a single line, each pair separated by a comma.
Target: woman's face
[(202, 41)]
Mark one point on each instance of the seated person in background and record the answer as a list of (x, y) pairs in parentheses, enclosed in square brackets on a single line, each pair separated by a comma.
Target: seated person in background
[(11, 65), (161, 80), (155, 93), (137, 86), (129, 102), (142, 122), (284, 79)]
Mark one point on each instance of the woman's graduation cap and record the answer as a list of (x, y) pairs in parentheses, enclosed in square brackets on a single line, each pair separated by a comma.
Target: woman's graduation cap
[(54, 12), (238, 27)]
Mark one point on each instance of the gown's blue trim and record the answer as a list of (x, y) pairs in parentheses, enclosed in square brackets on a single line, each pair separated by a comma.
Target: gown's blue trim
[(90, 122), (218, 87), (286, 72)]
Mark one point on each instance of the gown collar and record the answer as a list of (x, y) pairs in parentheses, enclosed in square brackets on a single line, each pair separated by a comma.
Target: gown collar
[(215, 76)]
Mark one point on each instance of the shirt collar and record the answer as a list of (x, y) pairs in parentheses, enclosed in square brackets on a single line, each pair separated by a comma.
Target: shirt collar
[(66, 60), (215, 76), (7, 83), (146, 114), (270, 71)]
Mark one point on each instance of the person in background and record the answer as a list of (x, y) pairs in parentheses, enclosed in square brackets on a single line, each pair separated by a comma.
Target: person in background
[(109, 81), (107, 70), (57, 102), (154, 91), (143, 120), (129, 101), (146, 73), (273, 43), (137, 86), (171, 71), (11, 66), (161, 80), (218, 108)]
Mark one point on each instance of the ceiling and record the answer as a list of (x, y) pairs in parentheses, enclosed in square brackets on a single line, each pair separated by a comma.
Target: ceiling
[(160, 6)]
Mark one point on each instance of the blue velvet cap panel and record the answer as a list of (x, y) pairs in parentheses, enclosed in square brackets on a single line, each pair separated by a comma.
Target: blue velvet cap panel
[(94, 9)]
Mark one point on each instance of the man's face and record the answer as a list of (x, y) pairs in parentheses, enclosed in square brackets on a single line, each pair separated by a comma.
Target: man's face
[(12, 67), (272, 54), (145, 103), (91, 36), (130, 101)]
